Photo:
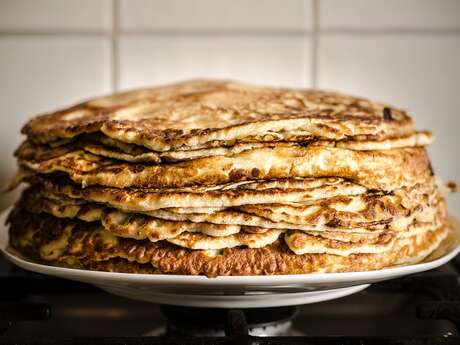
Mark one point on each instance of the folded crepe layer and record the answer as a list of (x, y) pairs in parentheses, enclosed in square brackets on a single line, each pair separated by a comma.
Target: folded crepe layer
[(131, 225), (383, 170), (345, 211), (205, 236), (198, 241), (303, 243), (138, 226), (32, 152), (141, 226), (370, 212), (204, 113), (73, 241), (232, 216), (143, 200)]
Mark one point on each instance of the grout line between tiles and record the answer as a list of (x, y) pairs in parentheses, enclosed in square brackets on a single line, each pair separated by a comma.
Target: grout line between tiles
[(96, 34), (314, 45), (117, 31), (114, 45), (204, 34), (217, 33)]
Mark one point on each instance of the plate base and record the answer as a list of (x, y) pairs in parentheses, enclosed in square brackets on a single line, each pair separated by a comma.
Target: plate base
[(251, 300)]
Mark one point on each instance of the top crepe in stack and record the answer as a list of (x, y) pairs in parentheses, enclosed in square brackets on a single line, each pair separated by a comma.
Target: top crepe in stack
[(220, 178)]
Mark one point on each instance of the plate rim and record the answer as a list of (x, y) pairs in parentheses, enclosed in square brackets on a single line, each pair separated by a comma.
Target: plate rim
[(268, 280)]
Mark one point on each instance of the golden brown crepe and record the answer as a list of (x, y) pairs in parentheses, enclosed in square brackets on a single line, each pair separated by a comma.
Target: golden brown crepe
[(106, 147), (227, 223), (221, 178), (249, 192), (205, 113), (384, 170), (72, 241)]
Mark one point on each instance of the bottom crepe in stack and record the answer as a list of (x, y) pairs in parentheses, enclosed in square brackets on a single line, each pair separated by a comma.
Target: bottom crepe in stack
[(326, 230)]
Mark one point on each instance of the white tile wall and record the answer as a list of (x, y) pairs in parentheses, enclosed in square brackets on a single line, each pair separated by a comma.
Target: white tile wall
[(420, 74), (43, 15), (390, 14), (56, 52), (275, 61), (204, 15), (39, 74)]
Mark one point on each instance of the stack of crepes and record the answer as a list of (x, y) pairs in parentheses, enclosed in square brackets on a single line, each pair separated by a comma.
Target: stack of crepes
[(221, 178)]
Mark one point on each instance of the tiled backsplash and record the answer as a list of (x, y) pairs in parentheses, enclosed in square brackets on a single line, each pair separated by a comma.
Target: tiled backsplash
[(407, 52)]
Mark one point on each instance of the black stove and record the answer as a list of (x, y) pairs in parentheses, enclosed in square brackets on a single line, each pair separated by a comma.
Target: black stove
[(418, 309)]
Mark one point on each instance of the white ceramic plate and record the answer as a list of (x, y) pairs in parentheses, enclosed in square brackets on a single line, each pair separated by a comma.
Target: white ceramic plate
[(232, 292)]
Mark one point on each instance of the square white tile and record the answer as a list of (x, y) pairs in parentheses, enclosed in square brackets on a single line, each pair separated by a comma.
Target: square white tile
[(207, 15), (389, 14), (266, 60), (40, 75), (417, 73), (42, 15)]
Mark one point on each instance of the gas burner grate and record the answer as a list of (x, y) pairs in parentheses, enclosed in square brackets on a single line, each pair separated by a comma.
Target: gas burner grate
[(436, 297), (219, 322)]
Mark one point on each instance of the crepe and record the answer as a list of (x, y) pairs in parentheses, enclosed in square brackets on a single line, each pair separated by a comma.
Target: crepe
[(109, 148), (141, 226), (72, 241), (204, 242), (221, 178), (234, 231), (353, 210), (384, 170), (250, 192), (369, 210), (112, 265), (122, 224), (204, 113), (303, 243)]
